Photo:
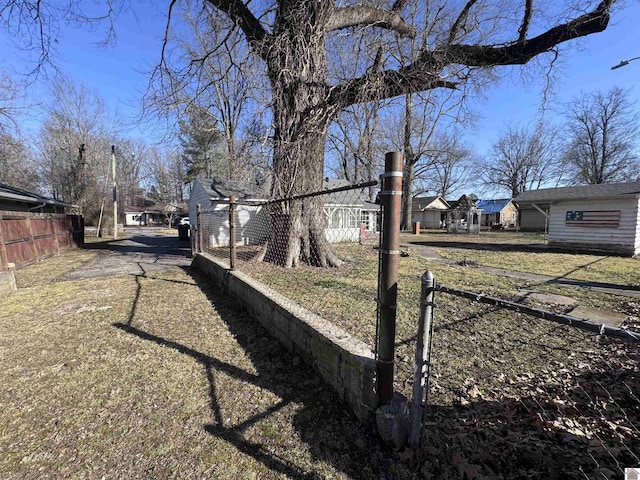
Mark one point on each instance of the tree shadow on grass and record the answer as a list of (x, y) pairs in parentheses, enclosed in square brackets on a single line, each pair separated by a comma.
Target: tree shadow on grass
[(332, 434)]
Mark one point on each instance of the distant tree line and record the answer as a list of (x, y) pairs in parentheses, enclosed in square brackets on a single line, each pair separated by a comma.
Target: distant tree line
[(598, 143)]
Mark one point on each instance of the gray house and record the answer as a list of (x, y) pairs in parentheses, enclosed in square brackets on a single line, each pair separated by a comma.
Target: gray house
[(590, 217)]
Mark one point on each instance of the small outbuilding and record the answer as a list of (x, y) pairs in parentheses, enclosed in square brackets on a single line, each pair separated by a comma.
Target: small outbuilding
[(598, 218), (213, 197), (431, 212), (498, 213), (464, 215)]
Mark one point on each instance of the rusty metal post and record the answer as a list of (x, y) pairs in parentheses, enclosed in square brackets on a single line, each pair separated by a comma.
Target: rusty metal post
[(422, 360), (391, 200), (232, 232), (115, 192), (199, 228)]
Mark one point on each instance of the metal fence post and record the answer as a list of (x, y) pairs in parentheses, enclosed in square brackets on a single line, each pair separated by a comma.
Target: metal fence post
[(422, 359), (232, 232), (199, 228), (391, 199)]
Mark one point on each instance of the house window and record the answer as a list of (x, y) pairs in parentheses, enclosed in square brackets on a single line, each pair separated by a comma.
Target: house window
[(352, 218)]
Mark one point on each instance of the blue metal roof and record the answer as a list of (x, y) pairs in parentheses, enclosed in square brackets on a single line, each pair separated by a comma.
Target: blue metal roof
[(493, 206)]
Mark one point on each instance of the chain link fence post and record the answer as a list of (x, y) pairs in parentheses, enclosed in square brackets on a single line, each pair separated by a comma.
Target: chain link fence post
[(232, 231), (391, 199), (422, 361), (199, 228)]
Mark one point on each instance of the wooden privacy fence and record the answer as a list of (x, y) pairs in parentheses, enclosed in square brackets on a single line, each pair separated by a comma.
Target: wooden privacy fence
[(27, 237)]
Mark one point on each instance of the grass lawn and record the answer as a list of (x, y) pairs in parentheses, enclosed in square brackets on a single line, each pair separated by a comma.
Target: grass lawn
[(161, 376), (158, 376), (509, 394)]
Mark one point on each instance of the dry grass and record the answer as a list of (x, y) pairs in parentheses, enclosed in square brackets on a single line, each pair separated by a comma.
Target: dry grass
[(591, 268), (496, 374), (157, 377)]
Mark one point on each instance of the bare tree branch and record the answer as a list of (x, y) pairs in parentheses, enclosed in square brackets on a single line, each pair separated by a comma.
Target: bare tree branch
[(462, 18), (521, 51), (345, 17), (526, 20), (240, 14)]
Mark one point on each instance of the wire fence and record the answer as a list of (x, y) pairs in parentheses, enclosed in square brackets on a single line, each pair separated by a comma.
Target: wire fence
[(331, 228), (513, 396), (509, 395)]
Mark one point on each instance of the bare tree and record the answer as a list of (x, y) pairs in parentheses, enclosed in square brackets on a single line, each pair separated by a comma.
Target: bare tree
[(603, 129), (225, 86), (74, 145), (16, 163), (449, 168), (354, 141), (290, 38), (132, 158), (35, 26), (165, 183), (522, 159)]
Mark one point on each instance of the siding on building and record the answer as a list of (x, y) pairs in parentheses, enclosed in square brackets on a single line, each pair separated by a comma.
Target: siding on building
[(198, 196), (531, 220), (430, 213), (623, 239), (637, 245)]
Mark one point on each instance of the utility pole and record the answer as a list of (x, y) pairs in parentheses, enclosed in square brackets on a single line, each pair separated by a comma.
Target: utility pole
[(115, 192)]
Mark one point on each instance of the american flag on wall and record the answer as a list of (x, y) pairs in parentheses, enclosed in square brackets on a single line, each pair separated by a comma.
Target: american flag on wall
[(593, 218)]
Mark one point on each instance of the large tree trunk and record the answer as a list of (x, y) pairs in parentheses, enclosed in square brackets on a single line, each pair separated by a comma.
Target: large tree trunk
[(297, 70)]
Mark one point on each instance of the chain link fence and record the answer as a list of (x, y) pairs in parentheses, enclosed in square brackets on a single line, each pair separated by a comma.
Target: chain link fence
[(331, 228), (509, 395), (513, 396)]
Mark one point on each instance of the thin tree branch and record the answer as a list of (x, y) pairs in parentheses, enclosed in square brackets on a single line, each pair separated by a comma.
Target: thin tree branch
[(464, 14), (240, 14), (521, 51), (526, 21)]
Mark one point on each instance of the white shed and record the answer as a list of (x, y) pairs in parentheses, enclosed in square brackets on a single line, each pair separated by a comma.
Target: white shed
[(213, 197), (431, 212), (591, 217)]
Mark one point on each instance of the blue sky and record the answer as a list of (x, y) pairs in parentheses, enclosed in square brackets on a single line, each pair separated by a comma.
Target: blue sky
[(117, 72), (585, 66)]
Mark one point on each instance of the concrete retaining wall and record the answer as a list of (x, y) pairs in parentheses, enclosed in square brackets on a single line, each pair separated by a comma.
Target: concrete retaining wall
[(344, 362)]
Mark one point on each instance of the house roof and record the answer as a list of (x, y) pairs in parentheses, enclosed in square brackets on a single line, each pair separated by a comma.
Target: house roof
[(346, 197), (370, 206), (16, 194), (467, 200), (132, 209), (579, 192), (225, 188), (422, 203), (493, 206)]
